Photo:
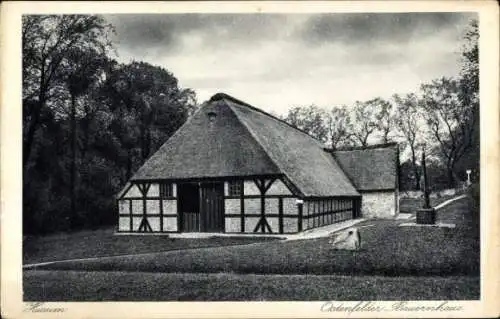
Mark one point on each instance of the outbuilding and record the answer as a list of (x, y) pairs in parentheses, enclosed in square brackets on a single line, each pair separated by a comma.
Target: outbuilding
[(233, 168)]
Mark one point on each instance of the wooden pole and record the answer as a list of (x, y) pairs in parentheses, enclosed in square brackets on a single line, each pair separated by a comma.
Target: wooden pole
[(426, 182), (427, 214)]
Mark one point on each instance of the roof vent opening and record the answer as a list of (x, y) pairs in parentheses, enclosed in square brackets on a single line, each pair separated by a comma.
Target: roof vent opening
[(211, 116)]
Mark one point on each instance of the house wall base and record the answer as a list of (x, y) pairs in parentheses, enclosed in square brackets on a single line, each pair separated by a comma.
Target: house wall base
[(379, 204)]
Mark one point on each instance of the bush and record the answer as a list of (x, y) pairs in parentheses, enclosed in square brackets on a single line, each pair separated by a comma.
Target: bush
[(474, 193)]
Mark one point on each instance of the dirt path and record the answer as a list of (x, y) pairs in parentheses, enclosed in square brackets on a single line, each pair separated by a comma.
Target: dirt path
[(449, 201)]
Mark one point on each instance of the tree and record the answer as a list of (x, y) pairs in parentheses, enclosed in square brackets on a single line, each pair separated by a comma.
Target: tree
[(310, 119), (408, 120), (363, 122), (338, 123), (453, 110), (469, 95), (450, 120), (469, 75), (148, 106), (384, 118), (47, 42), (81, 69), (408, 178), (84, 117)]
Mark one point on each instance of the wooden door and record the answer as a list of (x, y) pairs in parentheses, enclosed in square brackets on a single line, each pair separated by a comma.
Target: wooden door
[(212, 207), (189, 207)]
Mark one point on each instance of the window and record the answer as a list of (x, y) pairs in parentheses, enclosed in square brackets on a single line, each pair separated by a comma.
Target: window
[(235, 188), (166, 190)]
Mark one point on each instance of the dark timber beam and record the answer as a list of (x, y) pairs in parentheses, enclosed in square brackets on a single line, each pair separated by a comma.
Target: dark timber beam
[(130, 212), (300, 207), (161, 213), (263, 188), (280, 213), (242, 207), (144, 226)]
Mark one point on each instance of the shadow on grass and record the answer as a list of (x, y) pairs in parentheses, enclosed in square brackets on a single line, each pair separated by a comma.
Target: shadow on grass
[(122, 286)]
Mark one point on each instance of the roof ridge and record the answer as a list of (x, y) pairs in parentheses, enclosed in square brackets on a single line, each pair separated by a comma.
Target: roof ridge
[(220, 96), (362, 148)]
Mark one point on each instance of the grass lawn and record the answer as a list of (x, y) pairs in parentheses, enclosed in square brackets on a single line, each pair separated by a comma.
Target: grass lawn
[(125, 286), (394, 263), (410, 205), (103, 242), (386, 250)]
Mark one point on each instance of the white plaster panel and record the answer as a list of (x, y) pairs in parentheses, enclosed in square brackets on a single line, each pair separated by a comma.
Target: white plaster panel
[(290, 225), (137, 206), (249, 188), (271, 205), (170, 206), (232, 206), (170, 223), (378, 205), (233, 225), (123, 207), (250, 224), (278, 188), (274, 224), (136, 222), (154, 222), (124, 224), (290, 206), (252, 206), (154, 190), (152, 206), (133, 192)]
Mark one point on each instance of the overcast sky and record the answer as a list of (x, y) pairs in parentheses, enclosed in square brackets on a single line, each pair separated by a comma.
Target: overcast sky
[(275, 61)]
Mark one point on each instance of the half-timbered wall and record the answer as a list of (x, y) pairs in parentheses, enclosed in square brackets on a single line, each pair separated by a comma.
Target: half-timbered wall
[(321, 212), (147, 212), (244, 212), (263, 206)]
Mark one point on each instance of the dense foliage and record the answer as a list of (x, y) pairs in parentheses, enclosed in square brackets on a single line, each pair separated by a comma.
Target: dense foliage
[(88, 121)]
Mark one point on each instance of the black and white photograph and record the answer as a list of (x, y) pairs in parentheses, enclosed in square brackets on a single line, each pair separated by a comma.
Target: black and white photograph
[(260, 156)]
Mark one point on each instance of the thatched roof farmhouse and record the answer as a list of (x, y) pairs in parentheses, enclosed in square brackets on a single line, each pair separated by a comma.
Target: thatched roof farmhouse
[(234, 168)]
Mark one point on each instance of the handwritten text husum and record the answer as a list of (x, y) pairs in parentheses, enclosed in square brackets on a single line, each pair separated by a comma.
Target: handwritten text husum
[(40, 307)]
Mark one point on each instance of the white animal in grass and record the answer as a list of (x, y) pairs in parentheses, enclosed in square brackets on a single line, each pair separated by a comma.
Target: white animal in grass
[(348, 239)]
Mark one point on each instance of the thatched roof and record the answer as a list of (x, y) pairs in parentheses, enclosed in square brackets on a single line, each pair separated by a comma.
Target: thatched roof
[(243, 141), (370, 168), (201, 149)]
